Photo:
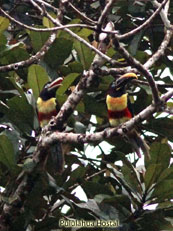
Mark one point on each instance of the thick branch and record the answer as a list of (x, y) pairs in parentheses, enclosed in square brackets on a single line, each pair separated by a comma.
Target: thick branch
[(107, 133)]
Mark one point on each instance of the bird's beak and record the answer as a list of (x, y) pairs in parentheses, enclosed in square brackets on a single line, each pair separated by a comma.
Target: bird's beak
[(55, 84), (124, 79)]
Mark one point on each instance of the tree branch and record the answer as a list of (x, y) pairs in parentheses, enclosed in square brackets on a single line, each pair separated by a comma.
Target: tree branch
[(163, 14), (84, 17), (144, 25), (109, 132), (44, 29), (103, 17), (33, 59), (161, 50), (135, 63)]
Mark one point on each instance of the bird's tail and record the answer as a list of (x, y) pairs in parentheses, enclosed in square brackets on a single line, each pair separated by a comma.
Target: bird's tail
[(138, 143), (57, 158)]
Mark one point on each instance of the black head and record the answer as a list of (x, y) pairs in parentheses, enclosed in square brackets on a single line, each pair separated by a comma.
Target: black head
[(118, 87), (50, 88)]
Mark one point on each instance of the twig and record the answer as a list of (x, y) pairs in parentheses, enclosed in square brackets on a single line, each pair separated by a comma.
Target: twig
[(37, 7), (80, 39), (83, 16), (33, 59), (135, 63), (144, 25), (44, 29), (56, 10), (167, 7), (103, 17), (161, 50), (102, 55), (161, 86), (57, 205), (88, 178), (163, 14), (169, 110)]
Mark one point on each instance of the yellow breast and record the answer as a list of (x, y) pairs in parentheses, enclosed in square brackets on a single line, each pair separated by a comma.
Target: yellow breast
[(46, 106), (116, 103)]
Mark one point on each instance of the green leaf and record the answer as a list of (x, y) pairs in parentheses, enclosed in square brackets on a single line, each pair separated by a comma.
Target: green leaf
[(161, 126), (166, 174), (105, 81), (59, 52), (170, 104), (165, 204), (76, 174), (121, 202), (103, 211), (160, 155), (94, 107), (153, 220), (14, 138), (20, 113), (37, 77), (68, 80), (38, 39), (7, 156), (124, 184), (4, 23), (135, 43), (93, 188), (85, 32), (17, 87), (151, 175), (63, 34), (16, 54), (163, 191), (75, 67), (130, 176), (3, 107), (2, 44), (47, 23), (85, 54)]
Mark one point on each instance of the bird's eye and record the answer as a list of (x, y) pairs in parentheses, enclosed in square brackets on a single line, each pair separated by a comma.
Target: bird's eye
[(47, 85), (113, 85), (119, 82)]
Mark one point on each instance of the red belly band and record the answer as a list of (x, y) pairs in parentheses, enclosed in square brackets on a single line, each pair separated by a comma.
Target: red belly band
[(119, 114), (46, 116)]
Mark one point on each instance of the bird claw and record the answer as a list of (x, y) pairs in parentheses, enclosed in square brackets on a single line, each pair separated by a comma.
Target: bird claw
[(124, 129), (52, 123)]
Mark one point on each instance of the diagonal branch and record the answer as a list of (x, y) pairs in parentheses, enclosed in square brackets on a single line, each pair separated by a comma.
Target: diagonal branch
[(169, 32), (103, 17), (83, 16), (109, 132), (161, 50), (135, 63), (144, 25), (163, 14), (33, 59), (80, 39), (44, 29)]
